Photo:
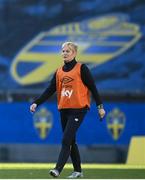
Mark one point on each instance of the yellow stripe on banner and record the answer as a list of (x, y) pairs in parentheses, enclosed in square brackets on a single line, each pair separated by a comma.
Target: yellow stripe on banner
[(67, 166)]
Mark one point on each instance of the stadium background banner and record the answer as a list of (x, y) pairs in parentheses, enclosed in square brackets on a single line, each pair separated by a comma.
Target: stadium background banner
[(123, 121), (111, 39)]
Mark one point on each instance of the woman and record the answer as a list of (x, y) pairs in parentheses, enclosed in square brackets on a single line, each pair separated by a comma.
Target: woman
[(73, 83)]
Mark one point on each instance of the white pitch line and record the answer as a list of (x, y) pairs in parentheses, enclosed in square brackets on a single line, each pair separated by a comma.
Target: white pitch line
[(67, 166)]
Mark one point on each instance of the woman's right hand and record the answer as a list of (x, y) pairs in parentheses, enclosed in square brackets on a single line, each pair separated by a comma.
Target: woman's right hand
[(33, 107)]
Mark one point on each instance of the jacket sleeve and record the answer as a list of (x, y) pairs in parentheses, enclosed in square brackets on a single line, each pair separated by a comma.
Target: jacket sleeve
[(88, 80), (51, 89)]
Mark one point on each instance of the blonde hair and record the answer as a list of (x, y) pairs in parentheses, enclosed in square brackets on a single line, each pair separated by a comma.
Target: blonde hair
[(70, 45)]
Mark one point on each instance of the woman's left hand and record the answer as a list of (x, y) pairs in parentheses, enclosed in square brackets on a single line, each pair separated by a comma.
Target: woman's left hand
[(101, 113)]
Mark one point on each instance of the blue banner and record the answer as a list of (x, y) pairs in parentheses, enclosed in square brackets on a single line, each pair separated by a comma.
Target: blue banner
[(110, 40), (122, 121)]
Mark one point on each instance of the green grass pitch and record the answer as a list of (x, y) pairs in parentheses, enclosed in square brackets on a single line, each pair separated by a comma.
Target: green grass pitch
[(91, 171)]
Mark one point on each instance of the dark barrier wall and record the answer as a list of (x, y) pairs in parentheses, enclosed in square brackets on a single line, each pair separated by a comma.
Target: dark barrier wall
[(123, 120)]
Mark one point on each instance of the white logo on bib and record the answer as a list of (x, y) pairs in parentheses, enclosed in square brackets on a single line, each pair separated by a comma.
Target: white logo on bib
[(67, 93)]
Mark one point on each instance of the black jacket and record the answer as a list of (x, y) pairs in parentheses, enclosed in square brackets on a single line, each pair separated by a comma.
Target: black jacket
[(86, 77)]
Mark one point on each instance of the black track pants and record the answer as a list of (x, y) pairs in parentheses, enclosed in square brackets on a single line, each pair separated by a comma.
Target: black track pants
[(70, 123)]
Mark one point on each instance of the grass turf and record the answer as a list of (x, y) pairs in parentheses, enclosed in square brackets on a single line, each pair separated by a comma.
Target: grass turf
[(40, 171), (88, 174)]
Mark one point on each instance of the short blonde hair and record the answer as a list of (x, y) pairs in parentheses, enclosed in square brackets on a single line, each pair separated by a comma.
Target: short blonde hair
[(71, 45)]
